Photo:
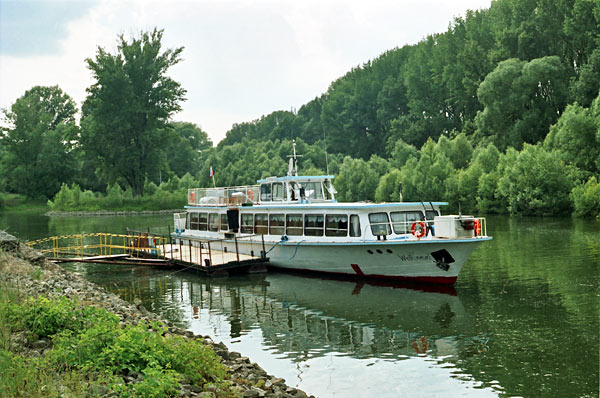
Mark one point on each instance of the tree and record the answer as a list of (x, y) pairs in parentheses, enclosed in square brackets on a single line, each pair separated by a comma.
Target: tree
[(186, 147), (38, 143), (127, 109), (521, 101)]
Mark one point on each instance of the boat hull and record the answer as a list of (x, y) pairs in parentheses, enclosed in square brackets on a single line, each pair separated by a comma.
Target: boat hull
[(431, 261)]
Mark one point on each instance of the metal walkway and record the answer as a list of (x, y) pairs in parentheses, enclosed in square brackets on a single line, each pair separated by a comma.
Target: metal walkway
[(146, 249)]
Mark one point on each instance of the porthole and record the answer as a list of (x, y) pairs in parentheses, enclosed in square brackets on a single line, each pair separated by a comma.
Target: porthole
[(369, 251), (379, 251), (389, 251)]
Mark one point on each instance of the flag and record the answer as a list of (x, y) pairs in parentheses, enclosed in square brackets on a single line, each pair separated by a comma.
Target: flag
[(212, 173)]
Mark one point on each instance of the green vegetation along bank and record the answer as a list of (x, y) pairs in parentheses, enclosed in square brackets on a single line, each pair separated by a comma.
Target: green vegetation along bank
[(515, 87), (63, 336)]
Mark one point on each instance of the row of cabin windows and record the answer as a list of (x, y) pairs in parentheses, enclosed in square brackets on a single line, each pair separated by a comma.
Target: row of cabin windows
[(308, 190), (301, 224), (401, 221), (281, 224)]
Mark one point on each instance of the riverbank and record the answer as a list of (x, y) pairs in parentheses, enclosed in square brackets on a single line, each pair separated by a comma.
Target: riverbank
[(26, 275), (109, 213)]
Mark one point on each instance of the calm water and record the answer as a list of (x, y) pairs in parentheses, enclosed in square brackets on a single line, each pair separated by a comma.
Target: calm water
[(521, 321)]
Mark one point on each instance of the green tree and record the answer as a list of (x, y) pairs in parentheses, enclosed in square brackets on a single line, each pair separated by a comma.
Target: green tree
[(38, 142), (186, 148), (537, 183), (126, 112), (356, 181), (576, 136), (521, 100)]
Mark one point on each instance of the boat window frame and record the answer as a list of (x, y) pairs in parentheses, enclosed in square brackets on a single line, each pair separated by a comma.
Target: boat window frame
[(334, 229), (213, 222), (193, 221), (351, 227), (294, 229), (265, 192), (247, 228), (402, 226), (261, 228), (311, 228), (377, 225), (224, 224), (277, 186), (202, 221), (318, 189), (277, 229)]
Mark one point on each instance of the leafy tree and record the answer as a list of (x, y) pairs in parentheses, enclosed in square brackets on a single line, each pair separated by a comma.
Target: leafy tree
[(125, 115), (576, 136), (586, 199), (521, 100), (537, 183), (356, 181), (187, 145), (38, 142)]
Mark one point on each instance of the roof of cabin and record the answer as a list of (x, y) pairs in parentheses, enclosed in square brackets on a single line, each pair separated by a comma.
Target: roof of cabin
[(295, 178)]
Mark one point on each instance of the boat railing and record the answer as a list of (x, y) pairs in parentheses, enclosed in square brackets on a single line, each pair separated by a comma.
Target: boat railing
[(223, 196)]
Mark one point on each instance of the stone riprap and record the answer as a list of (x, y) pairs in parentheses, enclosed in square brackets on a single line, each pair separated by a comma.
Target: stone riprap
[(51, 280)]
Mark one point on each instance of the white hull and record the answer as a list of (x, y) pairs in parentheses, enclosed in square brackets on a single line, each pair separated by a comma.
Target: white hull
[(390, 259)]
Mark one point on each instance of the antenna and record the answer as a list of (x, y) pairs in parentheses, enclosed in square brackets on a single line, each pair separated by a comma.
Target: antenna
[(326, 161), (293, 166)]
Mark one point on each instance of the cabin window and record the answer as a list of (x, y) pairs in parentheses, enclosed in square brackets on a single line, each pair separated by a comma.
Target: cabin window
[(213, 224), (194, 221), (247, 223), (294, 224), (277, 191), (224, 223), (402, 220), (276, 224), (380, 224), (313, 225), (265, 192), (312, 190), (336, 225), (203, 221), (354, 225), (431, 214), (261, 223)]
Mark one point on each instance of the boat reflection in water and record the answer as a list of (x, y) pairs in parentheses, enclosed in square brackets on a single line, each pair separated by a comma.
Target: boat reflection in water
[(304, 328)]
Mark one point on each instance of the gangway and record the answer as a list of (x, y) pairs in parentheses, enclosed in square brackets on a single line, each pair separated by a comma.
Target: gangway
[(145, 249)]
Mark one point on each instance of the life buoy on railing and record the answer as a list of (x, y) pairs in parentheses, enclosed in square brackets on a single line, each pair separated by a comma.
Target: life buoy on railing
[(421, 346), (251, 195), (477, 227), (192, 197), (418, 229)]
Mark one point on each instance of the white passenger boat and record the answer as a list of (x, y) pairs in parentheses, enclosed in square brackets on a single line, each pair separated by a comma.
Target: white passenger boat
[(298, 224)]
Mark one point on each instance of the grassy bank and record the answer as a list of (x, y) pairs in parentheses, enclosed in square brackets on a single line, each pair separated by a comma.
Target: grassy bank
[(55, 347), (16, 202), (115, 199)]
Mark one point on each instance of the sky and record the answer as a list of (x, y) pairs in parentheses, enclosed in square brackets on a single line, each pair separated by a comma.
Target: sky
[(242, 59)]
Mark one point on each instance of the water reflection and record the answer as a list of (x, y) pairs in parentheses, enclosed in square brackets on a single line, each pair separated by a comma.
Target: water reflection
[(523, 320)]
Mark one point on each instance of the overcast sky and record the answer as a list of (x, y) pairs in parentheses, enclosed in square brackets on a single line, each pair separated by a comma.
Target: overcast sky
[(242, 58)]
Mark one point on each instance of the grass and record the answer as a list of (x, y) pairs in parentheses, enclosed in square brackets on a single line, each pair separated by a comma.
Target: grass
[(89, 352)]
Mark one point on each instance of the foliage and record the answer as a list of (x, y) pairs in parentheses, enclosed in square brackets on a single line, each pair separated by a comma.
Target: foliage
[(37, 143), (537, 183), (157, 198), (128, 106), (586, 199), (88, 341), (356, 181)]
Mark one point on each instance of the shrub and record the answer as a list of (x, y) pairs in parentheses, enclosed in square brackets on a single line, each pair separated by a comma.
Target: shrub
[(586, 199)]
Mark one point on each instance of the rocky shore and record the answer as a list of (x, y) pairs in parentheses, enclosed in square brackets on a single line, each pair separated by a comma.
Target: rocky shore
[(248, 378)]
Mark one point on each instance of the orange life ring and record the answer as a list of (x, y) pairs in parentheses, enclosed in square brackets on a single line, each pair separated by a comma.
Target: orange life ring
[(251, 195), (192, 197), (477, 227), (421, 346), (420, 232)]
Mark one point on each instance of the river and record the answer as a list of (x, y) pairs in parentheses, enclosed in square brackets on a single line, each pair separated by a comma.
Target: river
[(522, 320)]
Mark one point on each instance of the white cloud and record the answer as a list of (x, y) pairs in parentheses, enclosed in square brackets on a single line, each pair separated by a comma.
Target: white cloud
[(242, 59)]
